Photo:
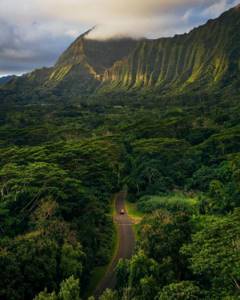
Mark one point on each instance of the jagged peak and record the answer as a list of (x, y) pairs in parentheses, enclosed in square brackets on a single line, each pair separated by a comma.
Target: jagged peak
[(86, 33), (95, 54), (85, 36)]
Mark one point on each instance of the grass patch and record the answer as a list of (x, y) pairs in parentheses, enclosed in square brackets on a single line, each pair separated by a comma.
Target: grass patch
[(173, 202), (134, 213), (133, 210)]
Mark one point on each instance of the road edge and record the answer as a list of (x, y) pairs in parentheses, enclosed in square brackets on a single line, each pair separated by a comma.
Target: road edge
[(116, 246)]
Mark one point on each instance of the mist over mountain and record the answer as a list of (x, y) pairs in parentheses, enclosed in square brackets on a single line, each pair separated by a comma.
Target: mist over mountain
[(37, 34), (120, 164), (207, 58)]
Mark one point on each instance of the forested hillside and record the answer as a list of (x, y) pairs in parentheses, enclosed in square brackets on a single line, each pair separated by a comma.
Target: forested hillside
[(5, 79), (63, 155), (207, 58), (60, 165)]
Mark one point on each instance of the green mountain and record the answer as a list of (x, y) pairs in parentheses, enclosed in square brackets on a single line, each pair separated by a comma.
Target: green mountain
[(6, 79), (80, 68), (84, 63), (207, 58), (64, 155)]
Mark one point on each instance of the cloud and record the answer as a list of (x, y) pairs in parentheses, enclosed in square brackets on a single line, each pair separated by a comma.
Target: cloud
[(34, 32), (218, 7), (137, 18)]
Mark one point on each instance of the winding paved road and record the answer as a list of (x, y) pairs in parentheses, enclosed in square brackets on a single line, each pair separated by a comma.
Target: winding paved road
[(126, 244)]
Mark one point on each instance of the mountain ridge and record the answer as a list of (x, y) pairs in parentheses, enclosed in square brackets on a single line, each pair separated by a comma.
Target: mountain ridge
[(6, 79), (206, 58), (184, 60)]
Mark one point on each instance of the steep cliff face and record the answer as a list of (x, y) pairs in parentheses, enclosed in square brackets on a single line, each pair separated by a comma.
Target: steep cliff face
[(207, 57), (86, 60), (98, 54), (79, 69)]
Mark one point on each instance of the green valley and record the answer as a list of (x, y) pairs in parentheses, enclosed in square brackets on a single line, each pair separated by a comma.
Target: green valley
[(160, 117)]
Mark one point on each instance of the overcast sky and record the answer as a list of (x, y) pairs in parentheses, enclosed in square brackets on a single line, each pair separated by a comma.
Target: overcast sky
[(34, 32)]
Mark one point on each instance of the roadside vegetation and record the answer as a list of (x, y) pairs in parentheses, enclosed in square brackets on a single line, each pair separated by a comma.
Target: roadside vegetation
[(60, 164), (135, 214), (172, 202)]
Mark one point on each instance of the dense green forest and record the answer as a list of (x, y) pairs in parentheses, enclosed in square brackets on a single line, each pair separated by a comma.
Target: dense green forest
[(60, 164), (172, 138)]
